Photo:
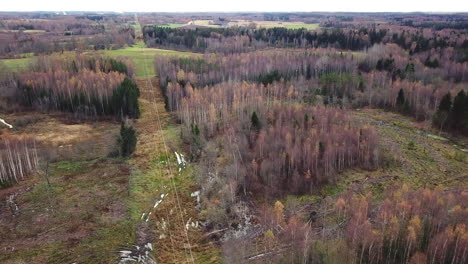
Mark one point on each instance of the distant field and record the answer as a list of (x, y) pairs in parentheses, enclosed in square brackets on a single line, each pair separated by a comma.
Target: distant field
[(259, 24), (25, 31), (288, 25), (143, 57), (172, 25)]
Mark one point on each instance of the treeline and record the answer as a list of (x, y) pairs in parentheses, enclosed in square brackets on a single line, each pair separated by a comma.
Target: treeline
[(83, 85), (242, 39), (18, 158), (239, 39), (453, 115)]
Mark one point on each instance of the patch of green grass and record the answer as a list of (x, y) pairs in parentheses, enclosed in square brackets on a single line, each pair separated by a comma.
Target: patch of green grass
[(172, 25), (418, 160), (81, 217), (411, 145), (331, 190), (70, 167), (143, 58), (16, 64), (299, 25)]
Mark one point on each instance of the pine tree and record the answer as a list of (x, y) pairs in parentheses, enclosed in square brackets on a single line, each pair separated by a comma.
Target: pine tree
[(409, 68), (442, 114), (255, 121), (400, 101), (125, 99), (459, 113), (127, 140), (445, 103)]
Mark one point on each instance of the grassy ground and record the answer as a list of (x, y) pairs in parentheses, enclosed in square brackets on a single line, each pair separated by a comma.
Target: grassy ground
[(172, 25), (410, 154), (82, 216), (17, 64), (158, 174), (143, 57)]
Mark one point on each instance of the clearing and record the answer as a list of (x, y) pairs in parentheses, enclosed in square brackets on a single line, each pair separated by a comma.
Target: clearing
[(410, 154)]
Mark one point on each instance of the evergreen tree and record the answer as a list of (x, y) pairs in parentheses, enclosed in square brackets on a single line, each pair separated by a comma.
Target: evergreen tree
[(442, 114), (255, 121), (431, 63), (400, 101), (127, 140), (125, 99), (409, 68), (459, 113), (379, 65), (446, 103)]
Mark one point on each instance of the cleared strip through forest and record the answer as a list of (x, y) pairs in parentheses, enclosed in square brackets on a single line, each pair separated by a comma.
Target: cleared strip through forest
[(151, 96)]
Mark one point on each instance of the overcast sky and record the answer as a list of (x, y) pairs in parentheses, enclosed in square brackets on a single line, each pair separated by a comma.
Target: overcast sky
[(237, 5)]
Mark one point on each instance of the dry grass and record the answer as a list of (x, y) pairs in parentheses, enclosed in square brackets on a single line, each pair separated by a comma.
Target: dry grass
[(409, 155), (70, 139)]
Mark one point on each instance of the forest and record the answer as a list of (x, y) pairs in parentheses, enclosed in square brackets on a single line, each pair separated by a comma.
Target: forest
[(224, 137), (58, 33), (383, 77)]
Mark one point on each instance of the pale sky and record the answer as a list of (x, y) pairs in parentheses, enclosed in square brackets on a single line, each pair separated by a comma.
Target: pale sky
[(237, 5)]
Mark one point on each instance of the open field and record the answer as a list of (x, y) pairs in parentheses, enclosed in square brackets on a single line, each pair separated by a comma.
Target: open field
[(172, 25), (258, 24), (271, 24), (143, 57)]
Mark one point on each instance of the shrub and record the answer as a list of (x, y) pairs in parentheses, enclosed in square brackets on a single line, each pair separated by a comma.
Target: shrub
[(411, 145)]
